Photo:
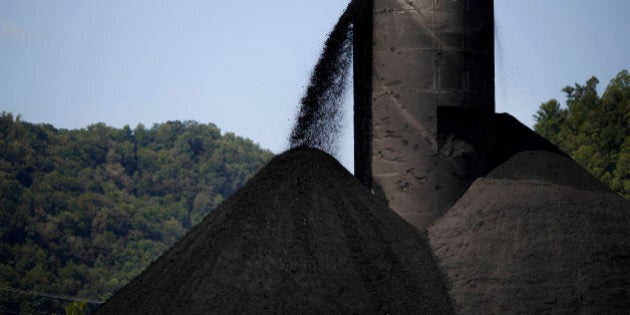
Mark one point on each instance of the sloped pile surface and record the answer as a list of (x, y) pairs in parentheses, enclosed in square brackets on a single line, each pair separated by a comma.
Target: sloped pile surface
[(511, 137), (550, 167), (302, 235), (528, 245)]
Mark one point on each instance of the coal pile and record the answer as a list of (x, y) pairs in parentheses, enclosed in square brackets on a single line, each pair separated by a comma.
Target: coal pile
[(549, 167), (537, 235), (303, 235), (511, 137)]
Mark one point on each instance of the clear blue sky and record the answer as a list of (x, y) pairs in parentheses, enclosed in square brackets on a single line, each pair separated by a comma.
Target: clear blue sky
[(243, 65)]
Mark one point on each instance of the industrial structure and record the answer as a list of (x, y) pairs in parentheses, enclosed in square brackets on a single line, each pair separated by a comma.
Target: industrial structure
[(424, 101), (536, 234)]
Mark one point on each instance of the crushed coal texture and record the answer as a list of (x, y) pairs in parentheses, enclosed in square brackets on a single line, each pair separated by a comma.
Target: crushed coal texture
[(549, 167), (318, 124), (537, 235), (302, 236)]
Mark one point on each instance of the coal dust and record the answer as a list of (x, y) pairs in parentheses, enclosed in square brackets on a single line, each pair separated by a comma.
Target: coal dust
[(318, 124)]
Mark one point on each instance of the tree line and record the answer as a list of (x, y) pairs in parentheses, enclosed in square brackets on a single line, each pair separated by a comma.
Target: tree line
[(594, 130), (84, 211)]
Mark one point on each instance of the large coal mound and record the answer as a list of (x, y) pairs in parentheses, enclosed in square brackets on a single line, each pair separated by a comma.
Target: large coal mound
[(537, 235), (303, 235)]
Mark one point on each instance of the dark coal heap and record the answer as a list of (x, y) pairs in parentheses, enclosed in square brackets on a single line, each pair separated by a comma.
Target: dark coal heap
[(302, 236), (319, 120), (538, 235)]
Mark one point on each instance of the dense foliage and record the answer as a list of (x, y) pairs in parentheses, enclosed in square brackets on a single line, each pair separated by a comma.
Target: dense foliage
[(84, 211), (593, 130)]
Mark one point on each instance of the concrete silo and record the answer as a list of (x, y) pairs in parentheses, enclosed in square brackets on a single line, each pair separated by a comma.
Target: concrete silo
[(424, 101)]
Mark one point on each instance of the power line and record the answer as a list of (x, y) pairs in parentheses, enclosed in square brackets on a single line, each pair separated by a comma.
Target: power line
[(50, 295)]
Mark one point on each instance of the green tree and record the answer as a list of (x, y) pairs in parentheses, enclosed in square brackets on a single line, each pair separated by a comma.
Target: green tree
[(76, 308), (593, 130), (549, 119), (84, 211)]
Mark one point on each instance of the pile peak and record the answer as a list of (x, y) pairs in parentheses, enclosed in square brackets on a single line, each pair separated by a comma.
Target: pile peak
[(301, 235)]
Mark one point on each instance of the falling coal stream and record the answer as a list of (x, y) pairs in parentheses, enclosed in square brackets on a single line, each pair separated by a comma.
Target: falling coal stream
[(318, 124)]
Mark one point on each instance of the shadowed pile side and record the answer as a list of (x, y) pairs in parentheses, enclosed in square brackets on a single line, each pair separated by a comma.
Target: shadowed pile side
[(302, 235), (538, 235)]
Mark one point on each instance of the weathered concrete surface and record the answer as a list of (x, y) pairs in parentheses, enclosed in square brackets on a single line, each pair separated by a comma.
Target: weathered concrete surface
[(432, 88)]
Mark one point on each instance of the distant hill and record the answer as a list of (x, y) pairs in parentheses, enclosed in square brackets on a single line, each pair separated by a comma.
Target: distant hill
[(82, 212)]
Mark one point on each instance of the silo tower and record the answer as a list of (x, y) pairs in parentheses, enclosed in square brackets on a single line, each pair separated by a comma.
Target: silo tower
[(424, 101)]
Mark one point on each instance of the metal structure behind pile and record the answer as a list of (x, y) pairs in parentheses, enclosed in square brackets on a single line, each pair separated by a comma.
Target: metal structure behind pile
[(424, 101)]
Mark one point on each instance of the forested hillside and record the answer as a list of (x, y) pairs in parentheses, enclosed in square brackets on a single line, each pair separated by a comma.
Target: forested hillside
[(593, 130), (84, 211)]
